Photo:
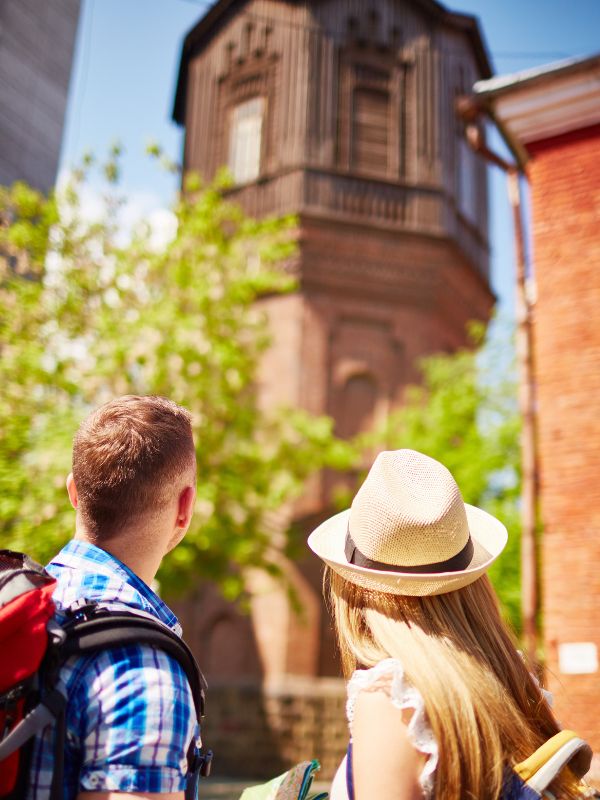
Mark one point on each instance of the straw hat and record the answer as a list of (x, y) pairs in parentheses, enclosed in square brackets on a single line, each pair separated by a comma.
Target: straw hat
[(409, 531)]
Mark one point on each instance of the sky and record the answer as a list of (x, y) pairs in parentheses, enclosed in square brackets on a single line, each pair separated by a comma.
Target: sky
[(125, 69)]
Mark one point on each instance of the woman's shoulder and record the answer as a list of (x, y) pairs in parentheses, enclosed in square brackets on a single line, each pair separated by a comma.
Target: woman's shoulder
[(388, 677)]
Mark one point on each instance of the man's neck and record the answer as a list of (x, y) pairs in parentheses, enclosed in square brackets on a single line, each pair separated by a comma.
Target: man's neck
[(142, 562)]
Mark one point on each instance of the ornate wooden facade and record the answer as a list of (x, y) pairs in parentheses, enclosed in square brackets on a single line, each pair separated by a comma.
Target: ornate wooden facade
[(342, 112), (359, 121)]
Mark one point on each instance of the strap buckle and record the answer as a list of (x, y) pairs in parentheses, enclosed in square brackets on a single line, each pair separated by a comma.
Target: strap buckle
[(200, 762), (81, 609)]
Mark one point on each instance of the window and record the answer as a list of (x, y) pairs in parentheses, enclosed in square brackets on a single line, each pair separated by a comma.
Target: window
[(370, 126), (245, 140), (467, 181), (357, 407)]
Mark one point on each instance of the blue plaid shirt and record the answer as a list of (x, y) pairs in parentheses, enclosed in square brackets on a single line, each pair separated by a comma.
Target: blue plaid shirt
[(130, 711)]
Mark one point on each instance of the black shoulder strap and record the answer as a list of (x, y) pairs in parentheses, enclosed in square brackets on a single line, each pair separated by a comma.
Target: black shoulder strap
[(103, 629), (91, 628)]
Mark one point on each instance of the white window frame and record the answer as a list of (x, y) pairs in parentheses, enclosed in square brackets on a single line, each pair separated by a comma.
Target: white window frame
[(245, 139)]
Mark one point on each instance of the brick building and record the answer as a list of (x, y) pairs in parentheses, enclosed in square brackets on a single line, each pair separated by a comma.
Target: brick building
[(551, 117), (37, 41), (341, 112)]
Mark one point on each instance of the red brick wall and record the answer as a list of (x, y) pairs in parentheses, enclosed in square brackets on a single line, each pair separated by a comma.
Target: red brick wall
[(565, 192)]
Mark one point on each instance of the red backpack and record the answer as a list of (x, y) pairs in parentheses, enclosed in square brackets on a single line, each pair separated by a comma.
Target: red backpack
[(35, 646)]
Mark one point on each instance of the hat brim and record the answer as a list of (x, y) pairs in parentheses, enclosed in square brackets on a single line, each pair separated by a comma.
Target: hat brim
[(489, 539)]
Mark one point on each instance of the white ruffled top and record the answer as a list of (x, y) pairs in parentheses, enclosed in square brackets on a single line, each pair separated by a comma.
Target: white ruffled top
[(388, 676)]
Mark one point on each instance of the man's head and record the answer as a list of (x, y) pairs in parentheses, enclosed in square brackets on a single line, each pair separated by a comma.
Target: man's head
[(134, 466)]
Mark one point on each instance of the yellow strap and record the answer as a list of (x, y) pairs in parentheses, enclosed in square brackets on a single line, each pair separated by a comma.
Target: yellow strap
[(528, 768)]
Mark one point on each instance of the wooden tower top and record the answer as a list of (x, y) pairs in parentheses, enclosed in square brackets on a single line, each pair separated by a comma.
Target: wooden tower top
[(224, 10), (341, 110)]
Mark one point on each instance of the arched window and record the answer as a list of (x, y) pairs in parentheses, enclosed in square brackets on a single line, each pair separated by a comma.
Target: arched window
[(230, 651), (358, 400), (245, 139)]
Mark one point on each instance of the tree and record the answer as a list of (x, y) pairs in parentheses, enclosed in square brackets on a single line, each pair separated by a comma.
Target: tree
[(465, 415), (86, 315)]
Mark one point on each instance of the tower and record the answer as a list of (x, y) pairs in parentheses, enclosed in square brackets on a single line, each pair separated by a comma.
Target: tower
[(341, 112)]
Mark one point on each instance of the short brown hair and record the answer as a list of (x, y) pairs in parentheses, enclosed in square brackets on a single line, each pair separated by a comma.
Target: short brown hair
[(124, 456)]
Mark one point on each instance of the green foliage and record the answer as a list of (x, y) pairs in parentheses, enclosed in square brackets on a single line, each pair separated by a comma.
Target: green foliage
[(465, 415), (85, 317)]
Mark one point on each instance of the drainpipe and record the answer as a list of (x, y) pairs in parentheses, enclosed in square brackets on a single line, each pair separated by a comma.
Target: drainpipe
[(469, 111), (529, 497)]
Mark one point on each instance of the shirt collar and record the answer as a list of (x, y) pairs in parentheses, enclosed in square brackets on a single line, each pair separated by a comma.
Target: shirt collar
[(90, 558)]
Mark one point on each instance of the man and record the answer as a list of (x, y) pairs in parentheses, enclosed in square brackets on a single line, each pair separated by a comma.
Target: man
[(130, 714)]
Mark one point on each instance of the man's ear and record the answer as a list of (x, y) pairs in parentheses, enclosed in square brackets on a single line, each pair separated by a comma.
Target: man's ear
[(185, 507), (72, 490)]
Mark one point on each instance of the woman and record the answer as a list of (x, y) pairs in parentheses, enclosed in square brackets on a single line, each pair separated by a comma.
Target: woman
[(440, 704)]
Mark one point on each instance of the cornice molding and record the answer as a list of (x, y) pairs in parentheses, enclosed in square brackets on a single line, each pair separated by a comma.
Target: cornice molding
[(539, 113), (546, 102)]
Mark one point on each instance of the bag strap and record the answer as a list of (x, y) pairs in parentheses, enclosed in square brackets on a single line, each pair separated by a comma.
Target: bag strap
[(93, 628), (58, 768), (349, 773), (45, 713), (565, 748)]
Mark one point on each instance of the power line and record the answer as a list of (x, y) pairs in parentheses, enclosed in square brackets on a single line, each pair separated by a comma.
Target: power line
[(86, 46), (200, 3), (523, 54), (286, 23)]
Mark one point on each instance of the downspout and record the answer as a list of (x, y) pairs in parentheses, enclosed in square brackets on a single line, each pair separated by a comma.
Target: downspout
[(470, 111)]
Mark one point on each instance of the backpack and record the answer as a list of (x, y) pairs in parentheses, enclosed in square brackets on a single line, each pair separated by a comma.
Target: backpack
[(35, 646), (529, 780)]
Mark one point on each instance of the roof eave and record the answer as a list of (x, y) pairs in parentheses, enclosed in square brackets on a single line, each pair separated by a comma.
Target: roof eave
[(538, 95), (470, 25), (193, 40), (516, 82), (219, 11)]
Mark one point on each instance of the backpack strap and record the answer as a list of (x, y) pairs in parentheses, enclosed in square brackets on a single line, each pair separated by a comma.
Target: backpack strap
[(45, 713), (94, 628), (565, 748), (349, 773)]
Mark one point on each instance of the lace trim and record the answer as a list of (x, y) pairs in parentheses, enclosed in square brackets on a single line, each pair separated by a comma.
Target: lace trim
[(389, 676)]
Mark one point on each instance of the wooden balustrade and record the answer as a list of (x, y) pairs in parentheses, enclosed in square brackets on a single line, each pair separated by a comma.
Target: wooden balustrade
[(369, 201)]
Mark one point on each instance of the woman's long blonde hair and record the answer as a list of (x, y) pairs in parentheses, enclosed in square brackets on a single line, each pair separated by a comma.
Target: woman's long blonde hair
[(485, 709)]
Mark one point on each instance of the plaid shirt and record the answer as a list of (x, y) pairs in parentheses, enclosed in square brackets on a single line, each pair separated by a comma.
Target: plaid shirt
[(130, 712)]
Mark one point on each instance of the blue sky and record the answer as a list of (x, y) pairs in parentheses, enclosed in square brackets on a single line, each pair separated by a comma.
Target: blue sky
[(126, 65)]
